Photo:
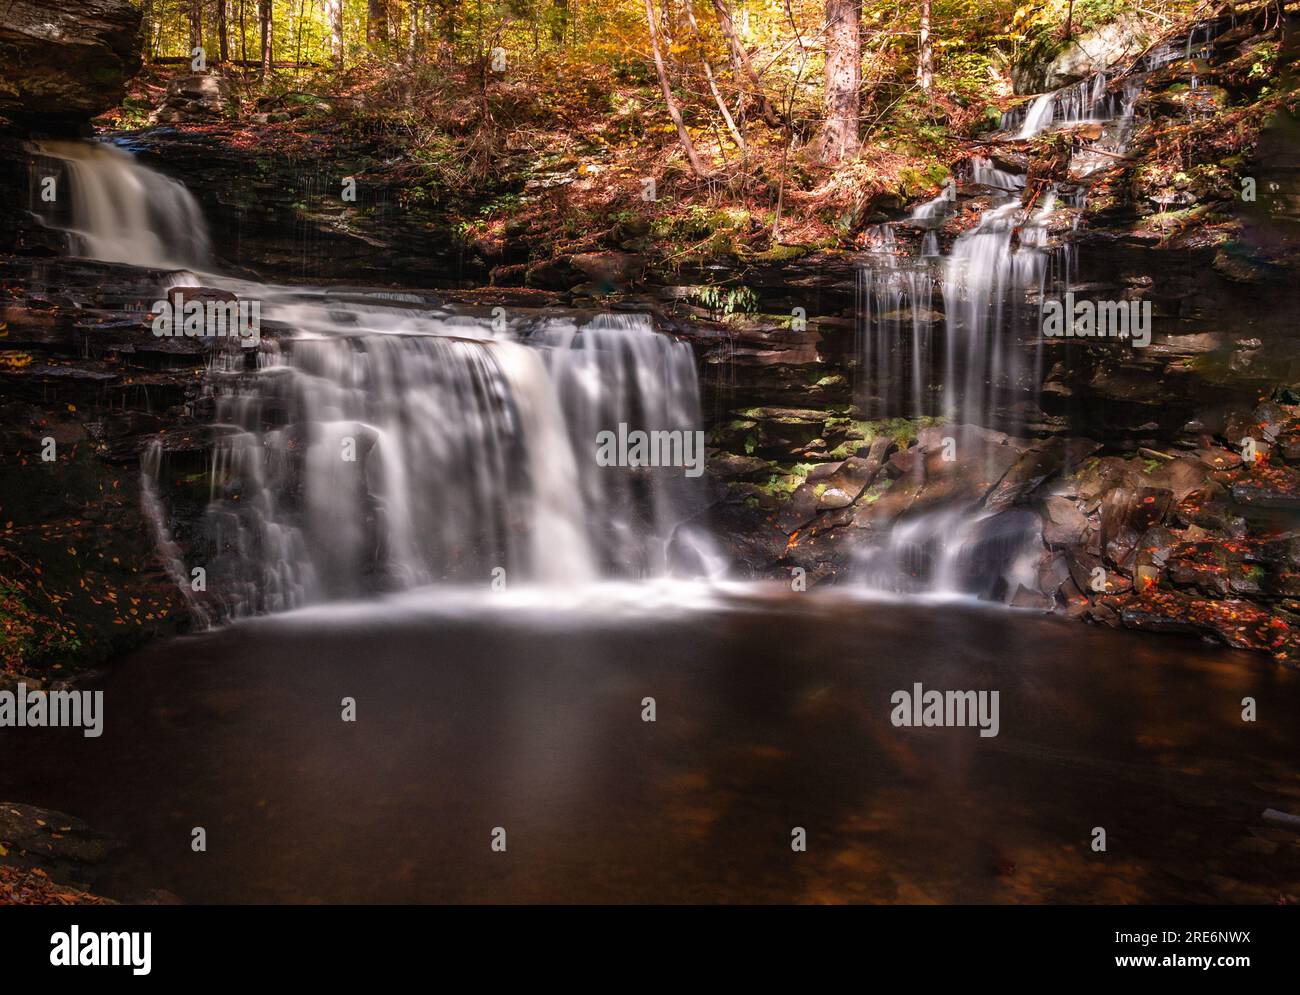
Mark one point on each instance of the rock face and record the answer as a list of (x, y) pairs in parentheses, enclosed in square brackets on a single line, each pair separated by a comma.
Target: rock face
[(279, 211), (65, 61), (1083, 55), (48, 857), (85, 382)]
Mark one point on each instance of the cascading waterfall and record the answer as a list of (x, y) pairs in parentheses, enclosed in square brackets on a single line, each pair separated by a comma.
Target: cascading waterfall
[(1108, 97), (979, 367), (946, 336), (987, 358), (381, 462), (986, 282), (953, 552), (390, 443), (614, 370), (897, 316), (113, 209), (1090, 101)]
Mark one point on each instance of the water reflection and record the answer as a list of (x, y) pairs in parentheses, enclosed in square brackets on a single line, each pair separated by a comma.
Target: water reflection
[(772, 712)]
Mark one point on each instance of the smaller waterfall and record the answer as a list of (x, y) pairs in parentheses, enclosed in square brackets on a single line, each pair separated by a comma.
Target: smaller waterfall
[(1108, 97), (956, 336), (898, 313), (953, 553), (1090, 101), (983, 361), (116, 211), (991, 271), (1037, 118), (939, 206), (983, 173)]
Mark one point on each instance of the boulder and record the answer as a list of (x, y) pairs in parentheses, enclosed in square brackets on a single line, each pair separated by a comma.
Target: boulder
[(1063, 523), (1127, 514), (1183, 476), (200, 97), (1124, 38)]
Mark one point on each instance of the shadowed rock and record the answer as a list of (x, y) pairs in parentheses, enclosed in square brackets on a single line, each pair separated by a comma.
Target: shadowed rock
[(65, 60)]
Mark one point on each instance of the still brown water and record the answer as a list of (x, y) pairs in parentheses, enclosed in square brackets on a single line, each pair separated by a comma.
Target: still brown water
[(773, 712)]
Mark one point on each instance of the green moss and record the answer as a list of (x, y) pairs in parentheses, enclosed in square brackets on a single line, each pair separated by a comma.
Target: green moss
[(902, 430), (780, 254), (784, 483), (873, 493)]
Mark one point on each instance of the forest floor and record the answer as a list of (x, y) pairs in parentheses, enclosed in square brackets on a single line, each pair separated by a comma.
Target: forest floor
[(561, 156), (570, 154)]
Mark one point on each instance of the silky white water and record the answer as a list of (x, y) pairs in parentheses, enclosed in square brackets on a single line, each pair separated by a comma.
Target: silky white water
[(384, 443), (118, 211), (957, 337)]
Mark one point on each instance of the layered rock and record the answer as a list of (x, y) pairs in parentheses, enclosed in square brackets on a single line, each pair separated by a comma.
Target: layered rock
[(281, 212), (64, 62)]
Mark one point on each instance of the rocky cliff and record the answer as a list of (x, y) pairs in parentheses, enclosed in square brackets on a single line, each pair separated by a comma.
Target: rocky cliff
[(64, 62)]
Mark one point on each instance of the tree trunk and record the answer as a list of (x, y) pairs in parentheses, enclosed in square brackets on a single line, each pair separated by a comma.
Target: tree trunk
[(449, 26), (223, 32), (334, 15), (743, 70), (264, 16), (673, 111), (376, 21), (146, 30), (560, 26), (925, 51), (196, 25), (843, 79), (708, 75)]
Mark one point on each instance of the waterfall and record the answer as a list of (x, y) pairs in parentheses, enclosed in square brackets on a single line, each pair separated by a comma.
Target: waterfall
[(115, 210), (986, 282), (897, 312), (970, 367), (384, 462), (1108, 97), (952, 552), (387, 442), (947, 336), (614, 370), (979, 365)]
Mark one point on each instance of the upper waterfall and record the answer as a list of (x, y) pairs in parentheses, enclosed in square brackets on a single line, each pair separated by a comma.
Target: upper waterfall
[(116, 209)]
